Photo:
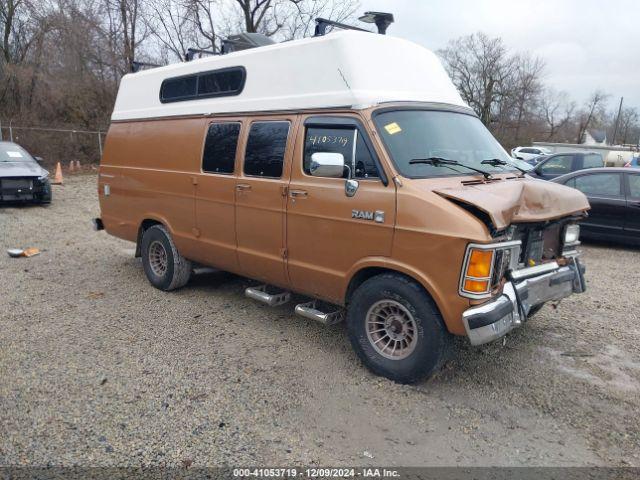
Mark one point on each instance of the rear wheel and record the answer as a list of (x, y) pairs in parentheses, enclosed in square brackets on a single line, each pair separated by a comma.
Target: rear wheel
[(163, 265), (396, 329)]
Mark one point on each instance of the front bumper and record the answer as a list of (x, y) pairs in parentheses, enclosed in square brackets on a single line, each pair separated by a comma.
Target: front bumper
[(25, 190), (524, 290)]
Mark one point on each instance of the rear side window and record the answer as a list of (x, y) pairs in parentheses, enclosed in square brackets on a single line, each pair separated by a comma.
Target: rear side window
[(634, 186), (348, 141), (225, 82), (220, 148), (266, 145), (592, 160), (605, 184), (182, 88), (218, 83), (558, 165)]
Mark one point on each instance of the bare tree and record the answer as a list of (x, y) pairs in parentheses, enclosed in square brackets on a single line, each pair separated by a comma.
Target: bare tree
[(629, 126), (173, 24), (479, 66), (527, 87), (17, 30), (556, 111), (126, 30), (592, 113)]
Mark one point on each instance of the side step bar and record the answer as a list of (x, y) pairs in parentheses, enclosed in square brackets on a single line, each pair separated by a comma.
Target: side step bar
[(273, 299), (310, 310)]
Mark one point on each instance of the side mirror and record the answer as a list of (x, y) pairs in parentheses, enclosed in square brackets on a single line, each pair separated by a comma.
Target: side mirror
[(327, 164), (39, 159)]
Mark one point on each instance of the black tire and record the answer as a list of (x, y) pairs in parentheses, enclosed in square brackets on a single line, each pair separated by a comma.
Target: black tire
[(176, 270), (432, 338)]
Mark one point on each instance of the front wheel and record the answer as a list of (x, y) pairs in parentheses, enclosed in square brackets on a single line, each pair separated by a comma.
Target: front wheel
[(396, 329), (163, 265)]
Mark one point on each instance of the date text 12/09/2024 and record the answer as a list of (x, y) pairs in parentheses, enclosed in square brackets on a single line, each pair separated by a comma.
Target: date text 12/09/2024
[(316, 473)]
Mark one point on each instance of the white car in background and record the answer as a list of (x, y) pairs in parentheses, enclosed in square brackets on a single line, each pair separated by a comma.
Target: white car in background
[(529, 153)]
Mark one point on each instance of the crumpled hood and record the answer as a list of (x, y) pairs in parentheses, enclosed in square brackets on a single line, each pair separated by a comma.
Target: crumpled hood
[(21, 169), (525, 200)]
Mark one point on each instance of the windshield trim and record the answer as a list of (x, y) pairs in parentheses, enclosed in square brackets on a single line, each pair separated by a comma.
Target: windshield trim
[(430, 107)]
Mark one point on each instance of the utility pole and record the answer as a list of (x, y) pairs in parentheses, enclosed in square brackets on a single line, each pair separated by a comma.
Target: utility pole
[(615, 128)]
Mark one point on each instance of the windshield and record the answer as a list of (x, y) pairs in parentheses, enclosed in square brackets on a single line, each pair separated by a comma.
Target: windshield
[(424, 134), (10, 152)]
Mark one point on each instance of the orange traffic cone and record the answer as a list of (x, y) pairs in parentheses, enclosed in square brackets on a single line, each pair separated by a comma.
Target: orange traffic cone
[(57, 179), (78, 167), (72, 166)]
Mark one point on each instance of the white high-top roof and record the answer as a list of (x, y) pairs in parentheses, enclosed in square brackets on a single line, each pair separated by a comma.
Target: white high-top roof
[(341, 69)]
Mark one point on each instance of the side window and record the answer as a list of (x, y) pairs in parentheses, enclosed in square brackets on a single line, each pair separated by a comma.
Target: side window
[(266, 144), (527, 150), (592, 160), (558, 165), (348, 141), (220, 147), (634, 185), (571, 182), (606, 184)]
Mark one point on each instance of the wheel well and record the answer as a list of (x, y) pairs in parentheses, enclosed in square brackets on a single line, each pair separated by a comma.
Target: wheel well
[(366, 273), (144, 226)]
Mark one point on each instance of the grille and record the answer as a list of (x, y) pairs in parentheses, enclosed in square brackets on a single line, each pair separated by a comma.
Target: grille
[(500, 265), (16, 183), (539, 243)]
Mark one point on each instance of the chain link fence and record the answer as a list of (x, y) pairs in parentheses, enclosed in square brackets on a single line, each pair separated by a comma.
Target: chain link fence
[(56, 144)]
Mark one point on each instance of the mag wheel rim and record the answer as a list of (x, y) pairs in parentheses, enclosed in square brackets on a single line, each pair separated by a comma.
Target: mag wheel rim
[(391, 329), (158, 258)]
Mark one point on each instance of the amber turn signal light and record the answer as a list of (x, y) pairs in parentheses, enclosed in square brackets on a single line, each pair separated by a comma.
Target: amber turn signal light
[(476, 286), (480, 263)]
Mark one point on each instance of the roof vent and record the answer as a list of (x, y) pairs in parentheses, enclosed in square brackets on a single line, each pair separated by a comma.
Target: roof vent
[(245, 41)]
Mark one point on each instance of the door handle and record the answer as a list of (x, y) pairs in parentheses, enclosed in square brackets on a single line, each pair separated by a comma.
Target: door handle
[(298, 193), (243, 187)]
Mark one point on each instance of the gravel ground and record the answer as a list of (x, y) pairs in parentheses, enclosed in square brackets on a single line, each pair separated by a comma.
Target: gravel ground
[(99, 368)]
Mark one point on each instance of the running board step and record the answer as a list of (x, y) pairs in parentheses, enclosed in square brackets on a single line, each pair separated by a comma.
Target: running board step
[(311, 310), (266, 294)]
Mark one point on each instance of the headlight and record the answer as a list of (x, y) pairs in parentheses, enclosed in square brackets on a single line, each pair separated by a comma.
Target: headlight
[(44, 176), (571, 235)]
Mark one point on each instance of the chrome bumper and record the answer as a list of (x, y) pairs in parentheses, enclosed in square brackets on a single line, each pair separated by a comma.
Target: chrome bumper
[(524, 290)]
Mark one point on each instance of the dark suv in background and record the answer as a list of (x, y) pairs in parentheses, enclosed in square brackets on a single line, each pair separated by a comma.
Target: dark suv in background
[(552, 166)]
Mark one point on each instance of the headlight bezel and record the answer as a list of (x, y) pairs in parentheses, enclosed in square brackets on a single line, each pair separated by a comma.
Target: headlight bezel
[(513, 248)]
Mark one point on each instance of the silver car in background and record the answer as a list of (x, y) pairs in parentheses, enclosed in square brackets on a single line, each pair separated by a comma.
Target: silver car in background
[(22, 179)]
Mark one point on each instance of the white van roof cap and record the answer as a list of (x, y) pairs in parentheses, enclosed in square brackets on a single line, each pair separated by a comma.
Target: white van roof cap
[(342, 69)]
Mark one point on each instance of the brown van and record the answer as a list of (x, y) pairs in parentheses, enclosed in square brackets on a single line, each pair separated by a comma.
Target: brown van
[(345, 168)]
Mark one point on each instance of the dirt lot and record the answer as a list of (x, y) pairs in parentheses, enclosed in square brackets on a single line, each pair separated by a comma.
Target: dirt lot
[(99, 368)]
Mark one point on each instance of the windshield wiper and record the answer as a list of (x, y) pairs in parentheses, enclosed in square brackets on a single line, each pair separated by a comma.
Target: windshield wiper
[(443, 162), (495, 162)]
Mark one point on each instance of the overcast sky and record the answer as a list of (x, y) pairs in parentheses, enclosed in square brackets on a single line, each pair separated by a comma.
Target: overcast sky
[(586, 44)]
